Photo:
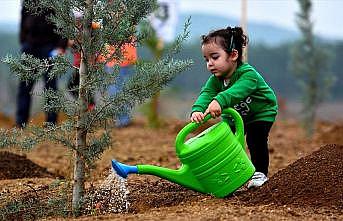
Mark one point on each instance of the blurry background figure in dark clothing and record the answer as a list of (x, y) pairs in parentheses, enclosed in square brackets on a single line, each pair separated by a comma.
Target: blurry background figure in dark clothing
[(37, 38)]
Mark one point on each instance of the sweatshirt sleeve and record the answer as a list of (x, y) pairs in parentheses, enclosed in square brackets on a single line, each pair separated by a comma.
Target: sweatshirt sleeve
[(244, 86), (207, 93)]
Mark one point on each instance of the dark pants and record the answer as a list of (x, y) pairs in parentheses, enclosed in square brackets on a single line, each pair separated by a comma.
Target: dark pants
[(257, 140), (25, 88)]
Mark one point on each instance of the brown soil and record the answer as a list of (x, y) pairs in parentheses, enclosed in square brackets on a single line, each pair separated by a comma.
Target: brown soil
[(305, 182), (5, 121), (332, 134), (13, 166), (314, 180)]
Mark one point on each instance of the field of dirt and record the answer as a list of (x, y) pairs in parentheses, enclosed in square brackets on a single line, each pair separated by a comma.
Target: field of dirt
[(306, 177)]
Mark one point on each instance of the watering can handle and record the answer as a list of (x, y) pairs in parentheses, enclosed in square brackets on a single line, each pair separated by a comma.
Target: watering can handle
[(180, 139)]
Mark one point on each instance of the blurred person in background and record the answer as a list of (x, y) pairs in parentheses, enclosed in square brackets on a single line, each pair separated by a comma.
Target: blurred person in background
[(126, 63), (37, 38), (238, 85), (129, 53)]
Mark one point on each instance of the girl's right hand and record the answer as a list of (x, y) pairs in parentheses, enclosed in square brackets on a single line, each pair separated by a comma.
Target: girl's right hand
[(197, 117)]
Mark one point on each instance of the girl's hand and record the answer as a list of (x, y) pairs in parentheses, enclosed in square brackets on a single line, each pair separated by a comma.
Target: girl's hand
[(214, 109), (197, 117)]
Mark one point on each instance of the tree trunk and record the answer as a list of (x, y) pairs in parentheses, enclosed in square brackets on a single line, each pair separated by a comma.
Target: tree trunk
[(81, 132), (154, 120), (153, 115), (79, 175), (81, 143), (313, 102)]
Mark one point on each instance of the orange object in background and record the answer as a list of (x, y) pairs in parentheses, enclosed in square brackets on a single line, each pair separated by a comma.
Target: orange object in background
[(96, 25), (129, 53)]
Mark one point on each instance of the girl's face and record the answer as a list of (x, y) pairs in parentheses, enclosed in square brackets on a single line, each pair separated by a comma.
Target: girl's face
[(219, 62)]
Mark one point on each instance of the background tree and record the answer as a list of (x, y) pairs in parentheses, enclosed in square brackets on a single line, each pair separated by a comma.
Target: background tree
[(163, 22), (85, 131), (155, 45), (310, 63)]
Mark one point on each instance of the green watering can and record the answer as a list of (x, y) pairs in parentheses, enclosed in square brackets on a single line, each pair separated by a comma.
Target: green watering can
[(213, 162)]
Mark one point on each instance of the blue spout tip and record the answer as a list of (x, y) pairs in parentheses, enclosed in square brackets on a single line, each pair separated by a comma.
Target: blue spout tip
[(122, 169)]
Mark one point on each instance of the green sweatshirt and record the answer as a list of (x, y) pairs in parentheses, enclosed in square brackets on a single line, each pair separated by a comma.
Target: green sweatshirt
[(246, 92)]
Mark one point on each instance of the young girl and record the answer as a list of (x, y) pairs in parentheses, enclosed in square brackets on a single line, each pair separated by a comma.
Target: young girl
[(238, 85)]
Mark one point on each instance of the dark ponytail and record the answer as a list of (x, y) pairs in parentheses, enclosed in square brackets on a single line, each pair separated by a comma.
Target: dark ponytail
[(229, 39)]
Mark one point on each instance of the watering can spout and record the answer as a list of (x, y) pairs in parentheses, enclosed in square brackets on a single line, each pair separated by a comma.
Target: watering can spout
[(181, 176), (122, 169)]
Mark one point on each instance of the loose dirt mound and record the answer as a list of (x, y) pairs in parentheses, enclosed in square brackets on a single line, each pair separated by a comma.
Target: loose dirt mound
[(148, 193), (315, 180), (13, 166)]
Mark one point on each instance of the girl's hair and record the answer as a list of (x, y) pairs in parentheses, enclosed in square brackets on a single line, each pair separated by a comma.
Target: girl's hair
[(229, 39)]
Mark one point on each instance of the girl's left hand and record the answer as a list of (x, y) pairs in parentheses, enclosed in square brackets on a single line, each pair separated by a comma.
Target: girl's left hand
[(214, 109)]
